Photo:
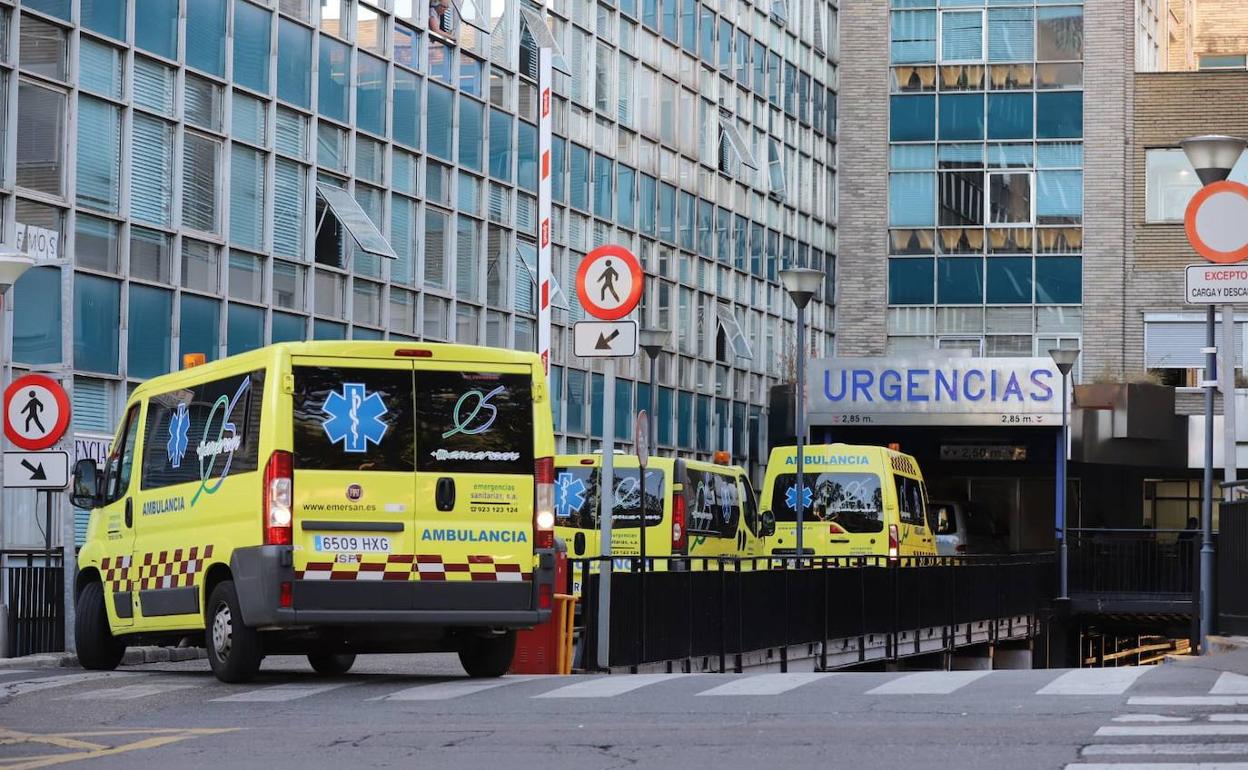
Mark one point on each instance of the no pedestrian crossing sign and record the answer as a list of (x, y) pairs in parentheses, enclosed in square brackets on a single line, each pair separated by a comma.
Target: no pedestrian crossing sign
[(609, 282), (36, 412)]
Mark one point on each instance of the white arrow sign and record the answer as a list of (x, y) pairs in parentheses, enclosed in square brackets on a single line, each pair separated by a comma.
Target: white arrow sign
[(36, 470), (604, 339)]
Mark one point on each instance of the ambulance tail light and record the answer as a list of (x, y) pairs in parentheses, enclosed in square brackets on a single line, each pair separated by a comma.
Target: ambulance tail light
[(680, 533), (544, 503), (279, 489), (960, 548), (893, 543)]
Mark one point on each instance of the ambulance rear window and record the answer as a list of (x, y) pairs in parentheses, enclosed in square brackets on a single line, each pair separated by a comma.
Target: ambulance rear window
[(853, 501), (474, 422), (577, 503), (351, 419)]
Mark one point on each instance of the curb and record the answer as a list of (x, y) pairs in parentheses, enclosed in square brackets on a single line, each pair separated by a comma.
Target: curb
[(135, 656)]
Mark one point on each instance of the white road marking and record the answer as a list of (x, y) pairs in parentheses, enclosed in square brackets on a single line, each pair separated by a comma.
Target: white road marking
[(1188, 700), (24, 686), (453, 689), (1149, 718), (1163, 766), (1176, 749), (1228, 717), (130, 691), (1094, 681), (16, 671), (280, 692), (608, 686), (1230, 684), (765, 684), (1161, 731), (929, 683)]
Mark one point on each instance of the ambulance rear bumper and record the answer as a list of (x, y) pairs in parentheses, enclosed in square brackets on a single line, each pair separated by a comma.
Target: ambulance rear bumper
[(260, 571)]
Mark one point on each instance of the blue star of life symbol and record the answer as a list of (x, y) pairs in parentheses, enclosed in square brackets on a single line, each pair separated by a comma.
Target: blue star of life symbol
[(179, 426), (790, 497), (569, 495), (354, 417)]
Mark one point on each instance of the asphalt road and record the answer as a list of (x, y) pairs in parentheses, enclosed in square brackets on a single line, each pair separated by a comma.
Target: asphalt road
[(420, 712)]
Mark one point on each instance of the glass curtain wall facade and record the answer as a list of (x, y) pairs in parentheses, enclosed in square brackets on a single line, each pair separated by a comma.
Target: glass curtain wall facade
[(985, 181), (168, 153)]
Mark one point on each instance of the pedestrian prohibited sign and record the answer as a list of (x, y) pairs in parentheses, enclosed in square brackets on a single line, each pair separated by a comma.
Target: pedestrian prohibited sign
[(609, 282), (36, 412)]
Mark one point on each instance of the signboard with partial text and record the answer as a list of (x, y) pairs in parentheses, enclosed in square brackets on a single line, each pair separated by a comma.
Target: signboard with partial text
[(1211, 284)]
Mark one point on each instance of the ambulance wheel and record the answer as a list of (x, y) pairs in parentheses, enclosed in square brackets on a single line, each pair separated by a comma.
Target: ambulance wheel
[(98, 649), (330, 664), (234, 649), (486, 657)]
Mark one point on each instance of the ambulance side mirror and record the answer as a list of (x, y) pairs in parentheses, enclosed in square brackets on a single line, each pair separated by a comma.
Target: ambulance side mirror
[(767, 524), (85, 492)]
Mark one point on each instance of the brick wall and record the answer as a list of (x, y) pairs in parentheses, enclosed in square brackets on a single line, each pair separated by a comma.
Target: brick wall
[(1206, 27)]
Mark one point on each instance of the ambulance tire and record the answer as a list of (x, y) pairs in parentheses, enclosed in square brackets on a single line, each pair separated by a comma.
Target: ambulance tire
[(330, 664), (487, 657), (98, 649), (234, 649)]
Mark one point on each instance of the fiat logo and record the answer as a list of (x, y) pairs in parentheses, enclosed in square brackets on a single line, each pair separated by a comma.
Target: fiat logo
[(355, 492)]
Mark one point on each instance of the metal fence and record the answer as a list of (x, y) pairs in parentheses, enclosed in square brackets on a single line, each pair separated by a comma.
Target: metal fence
[(1232, 569), (687, 608), (35, 597), (1134, 562)]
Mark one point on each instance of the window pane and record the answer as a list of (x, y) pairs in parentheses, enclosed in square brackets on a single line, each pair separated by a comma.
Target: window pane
[(914, 37), (1171, 183), (291, 136), (150, 255), (961, 116), (150, 333), (153, 85), (251, 46), (151, 169), (406, 101), (501, 153), (334, 79), (97, 315), (40, 138), (578, 174), (910, 281), (960, 280), (58, 8), (246, 277), (1059, 280), (42, 48), (912, 200), (99, 154), (467, 253), (1059, 34), (203, 102), (1010, 35), (156, 27), (962, 36), (288, 285), (199, 182), (246, 197), (96, 244), (249, 119), (1009, 116), (912, 118), (440, 120), (289, 200), (205, 49), (328, 330), (604, 177), (245, 329), (1059, 115), (370, 94), (288, 328), (1009, 280), (99, 67), (471, 134), (294, 63), (1009, 197), (527, 152), (108, 17), (1059, 197), (435, 249), (37, 316), (200, 266)]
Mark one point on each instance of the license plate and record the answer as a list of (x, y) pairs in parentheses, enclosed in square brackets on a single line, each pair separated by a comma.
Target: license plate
[(351, 544)]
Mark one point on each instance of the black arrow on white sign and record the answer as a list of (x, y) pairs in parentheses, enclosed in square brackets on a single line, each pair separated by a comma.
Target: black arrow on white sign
[(36, 471), (605, 340)]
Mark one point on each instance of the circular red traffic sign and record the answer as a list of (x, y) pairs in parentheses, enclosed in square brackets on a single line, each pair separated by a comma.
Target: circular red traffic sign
[(1215, 222), (606, 291), (36, 412)]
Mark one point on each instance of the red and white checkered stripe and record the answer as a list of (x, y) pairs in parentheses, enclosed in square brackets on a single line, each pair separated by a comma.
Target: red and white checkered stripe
[(422, 567)]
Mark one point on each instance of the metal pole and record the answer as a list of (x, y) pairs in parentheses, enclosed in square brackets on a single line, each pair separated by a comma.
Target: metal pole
[(1206, 505), (1227, 374), (800, 420), (1062, 447), (606, 488)]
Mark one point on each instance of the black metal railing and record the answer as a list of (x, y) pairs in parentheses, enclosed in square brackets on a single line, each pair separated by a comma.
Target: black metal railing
[(1160, 563), (34, 582), (721, 608), (1232, 569)]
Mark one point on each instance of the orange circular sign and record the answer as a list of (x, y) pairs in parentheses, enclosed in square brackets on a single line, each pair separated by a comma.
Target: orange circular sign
[(609, 282), (1217, 222)]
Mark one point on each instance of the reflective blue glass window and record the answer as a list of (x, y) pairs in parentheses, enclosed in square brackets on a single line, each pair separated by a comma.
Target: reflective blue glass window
[(914, 37), (406, 108), (960, 280), (665, 416), (205, 48), (556, 389), (245, 329), (1059, 197), (334, 80), (1059, 280), (1059, 33), (199, 328), (1009, 280), (406, 46), (328, 330), (247, 175), (704, 423), (526, 141), (1010, 34), (962, 36), (650, 13), (578, 173), (150, 335), (689, 25), (59, 8), (706, 40), (646, 190), (97, 315), (575, 401), (670, 16), (623, 410), (472, 135), (684, 419), (156, 27), (1059, 115), (1059, 155), (557, 148), (961, 116), (1009, 155), (912, 200), (370, 94), (360, 333), (108, 17), (501, 147), (628, 7), (294, 63), (912, 118), (99, 154), (667, 212), (288, 328), (37, 316), (439, 121), (603, 186), (685, 220), (1009, 116), (595, 403), (251, 46), (912, 156), (706, 228)]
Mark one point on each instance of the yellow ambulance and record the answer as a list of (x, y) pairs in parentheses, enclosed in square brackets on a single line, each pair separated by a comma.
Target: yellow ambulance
[(324, 499), (858, 501)]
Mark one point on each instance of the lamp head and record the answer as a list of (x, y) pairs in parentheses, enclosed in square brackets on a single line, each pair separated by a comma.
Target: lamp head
[(802, 283), (12, 264), (653, 341), (1065, 359), (1213, 156)]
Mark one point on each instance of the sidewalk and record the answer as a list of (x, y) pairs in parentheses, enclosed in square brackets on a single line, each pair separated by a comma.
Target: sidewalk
[(135, 656), (1229, 653)]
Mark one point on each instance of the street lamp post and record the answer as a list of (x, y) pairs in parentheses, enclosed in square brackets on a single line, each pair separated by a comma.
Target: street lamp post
[(1213, 157), (1065, 360), (652, 341), (802, 283)]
